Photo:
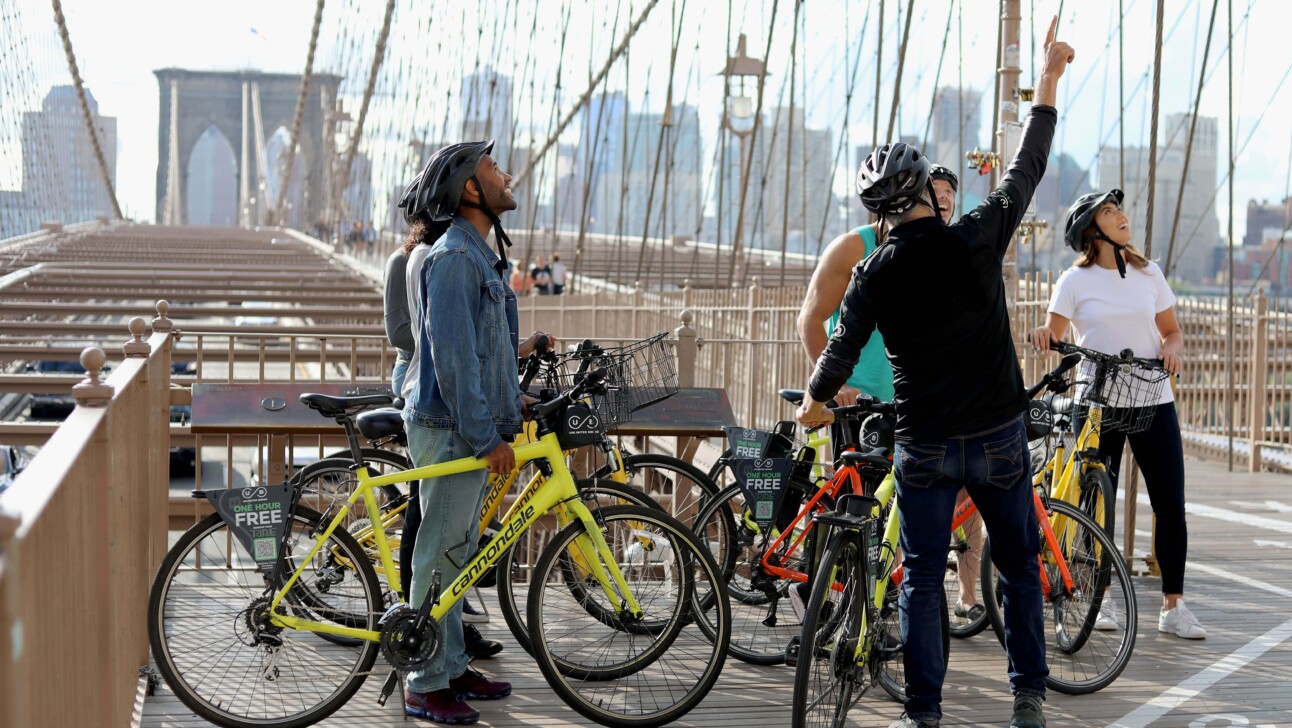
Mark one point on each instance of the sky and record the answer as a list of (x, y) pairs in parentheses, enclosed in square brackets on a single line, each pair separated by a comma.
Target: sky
[(119, 44)]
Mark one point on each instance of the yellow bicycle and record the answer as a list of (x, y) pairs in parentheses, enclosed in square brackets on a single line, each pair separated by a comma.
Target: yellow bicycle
[(239, 603)]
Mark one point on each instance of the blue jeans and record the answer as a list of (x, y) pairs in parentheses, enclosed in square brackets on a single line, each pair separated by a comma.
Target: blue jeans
[(446, 539), (993, 466), (397, 377)]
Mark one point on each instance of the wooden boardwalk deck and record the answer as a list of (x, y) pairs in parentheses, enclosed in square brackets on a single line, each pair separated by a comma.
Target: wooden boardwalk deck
[(1239, 584)]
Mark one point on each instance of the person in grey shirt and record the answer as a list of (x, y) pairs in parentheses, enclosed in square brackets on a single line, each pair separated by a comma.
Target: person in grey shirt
[(399, 330), (399, 325)]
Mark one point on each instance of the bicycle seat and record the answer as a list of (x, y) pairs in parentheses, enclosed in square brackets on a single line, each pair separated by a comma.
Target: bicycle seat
[(380, 423), (877, 457), (793, 396), (330, 406)]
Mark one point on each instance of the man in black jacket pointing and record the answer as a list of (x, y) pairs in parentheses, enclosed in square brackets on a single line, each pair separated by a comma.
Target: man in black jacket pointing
[(935, 292)]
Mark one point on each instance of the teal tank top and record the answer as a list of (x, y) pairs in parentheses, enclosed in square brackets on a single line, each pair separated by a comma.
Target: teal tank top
[(873, 374)]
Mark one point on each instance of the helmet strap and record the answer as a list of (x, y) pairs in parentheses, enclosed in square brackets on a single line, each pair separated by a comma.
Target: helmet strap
[(1117, 249), (500, 235), (933, 198)]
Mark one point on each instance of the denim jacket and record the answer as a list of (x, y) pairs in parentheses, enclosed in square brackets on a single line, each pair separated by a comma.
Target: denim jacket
[(468, 383)]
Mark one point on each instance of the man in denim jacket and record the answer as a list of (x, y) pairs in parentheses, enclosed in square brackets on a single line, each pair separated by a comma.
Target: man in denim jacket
[(465, 400)]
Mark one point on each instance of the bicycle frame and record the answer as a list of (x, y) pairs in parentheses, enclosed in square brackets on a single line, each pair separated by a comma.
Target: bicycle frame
[(499, 486), (1066, 468), (542, 495)]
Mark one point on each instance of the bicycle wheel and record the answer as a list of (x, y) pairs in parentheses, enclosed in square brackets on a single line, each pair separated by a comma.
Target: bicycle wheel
[(513, 572), (763, 619), (1082, 659), (1098, 500), (962, 568), (678, 485), (209, 648), (828, 674), (892, 666), (614, 673)]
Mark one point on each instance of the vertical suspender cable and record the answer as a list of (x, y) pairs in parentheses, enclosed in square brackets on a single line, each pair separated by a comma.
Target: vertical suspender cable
[(307, 76), (343, 177), (901, 64), (1188, 148), (937, 77), (789, 140), (85, 108), (1152, 135), (1121, 101), (879, 67), (1229, 275)]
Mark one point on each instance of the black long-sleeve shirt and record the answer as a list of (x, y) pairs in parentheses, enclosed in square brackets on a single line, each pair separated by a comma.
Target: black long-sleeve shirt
[(937, 295)]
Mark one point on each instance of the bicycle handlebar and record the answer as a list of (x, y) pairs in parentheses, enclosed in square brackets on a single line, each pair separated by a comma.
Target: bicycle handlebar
[(866, 404), (590, 380), (1054, 378), (1126, 356)]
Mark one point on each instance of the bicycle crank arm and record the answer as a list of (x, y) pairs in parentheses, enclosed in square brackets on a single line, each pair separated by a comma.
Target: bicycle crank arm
[(388, 688), (432, 598)]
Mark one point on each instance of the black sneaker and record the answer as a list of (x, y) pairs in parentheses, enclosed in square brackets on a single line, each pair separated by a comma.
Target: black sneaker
[(1027, 712), (479, 648), (907, 721)]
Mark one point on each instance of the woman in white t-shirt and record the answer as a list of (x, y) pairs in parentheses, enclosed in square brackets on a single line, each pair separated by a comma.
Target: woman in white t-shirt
[(1117, 299)]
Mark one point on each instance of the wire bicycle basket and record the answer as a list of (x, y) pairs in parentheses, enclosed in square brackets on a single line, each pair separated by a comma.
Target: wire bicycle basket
[(637, 375), (1126, 389)]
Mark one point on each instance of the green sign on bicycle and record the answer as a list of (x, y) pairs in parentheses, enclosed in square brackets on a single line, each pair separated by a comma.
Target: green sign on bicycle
[(257, 516), (747, 442), (763, 481)]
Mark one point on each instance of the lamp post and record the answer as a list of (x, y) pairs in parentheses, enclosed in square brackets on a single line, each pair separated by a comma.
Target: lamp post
[(742, 119)]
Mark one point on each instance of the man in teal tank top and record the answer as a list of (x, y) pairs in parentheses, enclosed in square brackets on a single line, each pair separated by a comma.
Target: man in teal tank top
[(820, 312)]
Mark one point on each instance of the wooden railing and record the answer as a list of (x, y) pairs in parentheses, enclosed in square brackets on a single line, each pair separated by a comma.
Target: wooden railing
[(82, 531), (748, 344)]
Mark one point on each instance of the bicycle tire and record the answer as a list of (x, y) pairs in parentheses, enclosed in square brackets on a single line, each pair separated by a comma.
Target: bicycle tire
[(595, 689), (842, 562), (513, 612), (892, 672), (957, 626), (1078, 654), (218, 708), (652, 473), (1098, 498), (763, 620)]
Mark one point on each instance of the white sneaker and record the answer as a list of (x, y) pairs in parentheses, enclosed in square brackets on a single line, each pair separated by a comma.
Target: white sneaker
[(1107, 621), (1181, 623), (798, 596)]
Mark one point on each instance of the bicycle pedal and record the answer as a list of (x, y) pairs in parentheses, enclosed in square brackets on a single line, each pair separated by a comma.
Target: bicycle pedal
[(388, 688), (792, 651)]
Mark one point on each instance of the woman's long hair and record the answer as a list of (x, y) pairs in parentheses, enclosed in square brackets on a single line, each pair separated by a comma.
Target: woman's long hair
[(422, 232), (1090, 251)]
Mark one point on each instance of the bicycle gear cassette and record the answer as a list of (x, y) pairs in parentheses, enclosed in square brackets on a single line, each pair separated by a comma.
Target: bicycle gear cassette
[(404, 650)]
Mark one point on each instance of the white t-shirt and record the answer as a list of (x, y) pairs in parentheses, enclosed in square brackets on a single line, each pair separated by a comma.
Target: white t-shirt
[(1110, 313), (416, 292), (558, 274)]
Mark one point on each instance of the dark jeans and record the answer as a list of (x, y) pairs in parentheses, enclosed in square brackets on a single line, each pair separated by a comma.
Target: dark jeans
[(993, 466), (1160, 456), (408, 540)]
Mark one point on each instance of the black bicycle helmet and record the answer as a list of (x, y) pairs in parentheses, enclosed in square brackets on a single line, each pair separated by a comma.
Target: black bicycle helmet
[(937, 171), (434, 195), (878, 431), (891, 179), (1082, 215)]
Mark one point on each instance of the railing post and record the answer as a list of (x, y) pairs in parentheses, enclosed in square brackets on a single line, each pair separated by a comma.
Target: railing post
[(1256, 391), (92, 391), (161, 323), (137, 348), (637, 306), (688, 346)]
